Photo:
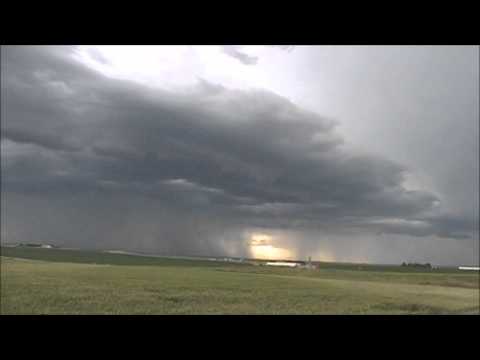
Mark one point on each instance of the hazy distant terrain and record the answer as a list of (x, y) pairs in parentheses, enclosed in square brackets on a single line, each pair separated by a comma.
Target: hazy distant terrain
[(54, 281)]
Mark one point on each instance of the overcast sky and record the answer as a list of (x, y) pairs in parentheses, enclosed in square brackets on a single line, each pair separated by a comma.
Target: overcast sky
[(341, 153)]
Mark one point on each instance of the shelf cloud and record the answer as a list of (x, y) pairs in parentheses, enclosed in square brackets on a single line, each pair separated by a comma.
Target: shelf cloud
[(99, 161)]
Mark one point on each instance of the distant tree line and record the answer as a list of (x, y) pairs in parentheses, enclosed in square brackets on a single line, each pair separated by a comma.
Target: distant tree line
[(35, 245), (418, 265)]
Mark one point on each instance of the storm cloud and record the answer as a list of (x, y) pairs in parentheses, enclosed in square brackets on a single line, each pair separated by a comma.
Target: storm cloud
[(89, 160)]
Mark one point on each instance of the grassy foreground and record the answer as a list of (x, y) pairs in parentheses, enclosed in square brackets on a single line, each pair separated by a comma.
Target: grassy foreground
[(96, 283)]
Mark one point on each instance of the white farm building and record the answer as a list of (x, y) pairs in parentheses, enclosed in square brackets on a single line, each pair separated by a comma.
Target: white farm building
[(471, 268), (283, 263)]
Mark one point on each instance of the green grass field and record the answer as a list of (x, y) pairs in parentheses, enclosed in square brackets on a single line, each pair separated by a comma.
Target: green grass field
[(54, 281)]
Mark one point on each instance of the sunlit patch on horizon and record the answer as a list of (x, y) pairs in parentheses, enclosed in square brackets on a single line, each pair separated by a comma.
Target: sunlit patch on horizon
[(324, 256), (261, 247)]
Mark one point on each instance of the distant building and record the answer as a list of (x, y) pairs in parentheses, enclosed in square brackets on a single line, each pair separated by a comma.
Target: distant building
[(471, 268), (283, 263), (309, 264), (235, 260), (44, 246)]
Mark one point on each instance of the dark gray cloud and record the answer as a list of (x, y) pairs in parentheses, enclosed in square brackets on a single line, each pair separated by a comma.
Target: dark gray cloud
[(135, 167)]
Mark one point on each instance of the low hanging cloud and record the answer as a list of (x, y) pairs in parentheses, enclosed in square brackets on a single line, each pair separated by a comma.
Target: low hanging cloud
[(185, 171), (96, 55), (236, 53), (287, 48)]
